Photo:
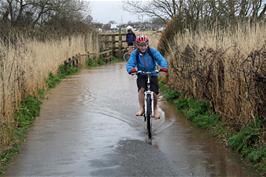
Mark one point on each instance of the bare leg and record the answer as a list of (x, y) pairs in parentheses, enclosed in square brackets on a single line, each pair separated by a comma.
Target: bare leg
[(156, 111), (141, 102)]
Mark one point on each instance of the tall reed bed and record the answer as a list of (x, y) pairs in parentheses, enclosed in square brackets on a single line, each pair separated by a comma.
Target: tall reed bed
[(24, 67), (226, 68), (245, 38)]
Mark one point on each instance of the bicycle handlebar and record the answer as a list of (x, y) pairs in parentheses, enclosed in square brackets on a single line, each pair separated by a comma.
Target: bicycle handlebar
[(148, 72), (145, 72)]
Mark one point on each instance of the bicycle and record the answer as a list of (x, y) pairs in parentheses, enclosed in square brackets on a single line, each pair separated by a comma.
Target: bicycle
[(148, 102), (127, 53)]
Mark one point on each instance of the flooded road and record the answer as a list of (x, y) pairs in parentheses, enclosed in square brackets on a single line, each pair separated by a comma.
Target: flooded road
[(87, 127)]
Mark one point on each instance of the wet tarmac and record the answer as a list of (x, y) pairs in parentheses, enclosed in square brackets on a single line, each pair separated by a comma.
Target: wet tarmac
[(87, 127)]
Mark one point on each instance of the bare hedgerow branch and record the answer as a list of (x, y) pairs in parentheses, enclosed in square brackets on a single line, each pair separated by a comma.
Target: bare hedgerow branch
[(149, 8), (36, 13), (195, 14)]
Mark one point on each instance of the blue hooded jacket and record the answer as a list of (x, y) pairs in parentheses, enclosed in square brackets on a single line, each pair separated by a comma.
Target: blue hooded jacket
[(149, 63)]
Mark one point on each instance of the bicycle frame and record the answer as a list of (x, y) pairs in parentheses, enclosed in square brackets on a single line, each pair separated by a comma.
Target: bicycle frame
[(146, 93), (148, 102)]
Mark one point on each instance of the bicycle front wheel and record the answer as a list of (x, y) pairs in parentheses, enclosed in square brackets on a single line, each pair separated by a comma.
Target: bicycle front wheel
[(126, 56), (148, 116)]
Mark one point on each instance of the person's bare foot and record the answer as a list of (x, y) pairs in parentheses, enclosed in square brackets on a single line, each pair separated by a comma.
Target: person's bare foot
[(156, 114), (140, 112)]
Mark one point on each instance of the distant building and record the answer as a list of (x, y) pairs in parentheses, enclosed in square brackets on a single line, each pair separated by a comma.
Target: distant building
[(114, 27), (129, 27), (100, 30)]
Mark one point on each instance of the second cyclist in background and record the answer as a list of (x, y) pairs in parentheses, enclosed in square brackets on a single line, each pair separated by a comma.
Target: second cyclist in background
[(130, 39)]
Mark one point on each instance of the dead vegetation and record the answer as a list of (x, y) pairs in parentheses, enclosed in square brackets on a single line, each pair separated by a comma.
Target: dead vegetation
[(24, 67), (228, 69)]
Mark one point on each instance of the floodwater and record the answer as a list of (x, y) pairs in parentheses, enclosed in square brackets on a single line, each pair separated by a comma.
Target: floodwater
[(87, 127)]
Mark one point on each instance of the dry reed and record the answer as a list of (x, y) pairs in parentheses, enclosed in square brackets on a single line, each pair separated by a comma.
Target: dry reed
[(223, 67), (24, 67), (246, 39)]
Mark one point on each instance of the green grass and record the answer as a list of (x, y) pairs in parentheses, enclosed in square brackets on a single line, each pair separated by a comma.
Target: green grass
[(92, 62), (248, 142), (169, 94), (197, 111), (28, 111), (63, 71), (116, 59), (6, 156), (246, 137)]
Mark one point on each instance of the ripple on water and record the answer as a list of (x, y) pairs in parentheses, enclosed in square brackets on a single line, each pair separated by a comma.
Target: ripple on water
[(158, 126), (114, 114), (86, 98)]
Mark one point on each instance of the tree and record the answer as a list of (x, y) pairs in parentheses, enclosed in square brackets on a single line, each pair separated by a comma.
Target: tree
[(157, 21), (88, 19), (192, 14), (40, 12), (163, 9)]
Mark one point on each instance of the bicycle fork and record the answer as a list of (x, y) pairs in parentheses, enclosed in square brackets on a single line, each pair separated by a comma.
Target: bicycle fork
[(146, 93)]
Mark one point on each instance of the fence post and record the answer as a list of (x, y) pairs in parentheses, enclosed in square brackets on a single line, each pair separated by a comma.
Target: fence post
[(120, 43), (113, 45), (97, 47)]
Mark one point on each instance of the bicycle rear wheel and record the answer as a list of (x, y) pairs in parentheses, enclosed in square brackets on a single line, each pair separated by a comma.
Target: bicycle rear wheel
[(148, 116)]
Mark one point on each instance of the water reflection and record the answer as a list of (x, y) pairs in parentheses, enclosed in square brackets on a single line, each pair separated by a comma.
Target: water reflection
[(87, 126)]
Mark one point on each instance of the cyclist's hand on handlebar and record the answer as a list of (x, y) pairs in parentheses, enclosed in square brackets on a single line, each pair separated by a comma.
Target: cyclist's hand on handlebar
[(163, 74), (164, 70), (133, 71)]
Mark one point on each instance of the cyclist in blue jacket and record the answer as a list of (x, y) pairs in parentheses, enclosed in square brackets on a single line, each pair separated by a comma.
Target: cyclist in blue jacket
[(144, 58)]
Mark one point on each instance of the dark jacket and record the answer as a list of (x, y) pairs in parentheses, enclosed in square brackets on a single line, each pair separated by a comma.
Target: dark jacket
[(131, 37)]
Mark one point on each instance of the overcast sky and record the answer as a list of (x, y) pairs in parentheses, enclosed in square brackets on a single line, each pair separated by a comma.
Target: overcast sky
[(105, 11)]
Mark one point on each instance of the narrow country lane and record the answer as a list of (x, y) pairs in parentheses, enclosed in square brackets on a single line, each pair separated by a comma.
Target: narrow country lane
[(87, 127)]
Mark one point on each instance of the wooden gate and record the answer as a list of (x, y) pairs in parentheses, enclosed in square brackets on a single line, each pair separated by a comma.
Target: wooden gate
[(112, 44)]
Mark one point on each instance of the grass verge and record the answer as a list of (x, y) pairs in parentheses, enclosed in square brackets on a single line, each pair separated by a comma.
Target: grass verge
[(28, 111), (248, 141), (92, 62)]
